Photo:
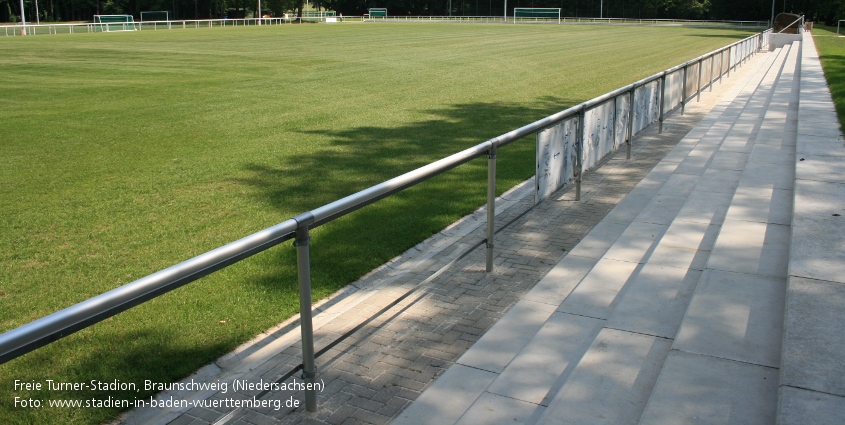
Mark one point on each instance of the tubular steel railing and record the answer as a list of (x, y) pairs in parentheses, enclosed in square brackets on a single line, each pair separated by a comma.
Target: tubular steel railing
[(33, 335)]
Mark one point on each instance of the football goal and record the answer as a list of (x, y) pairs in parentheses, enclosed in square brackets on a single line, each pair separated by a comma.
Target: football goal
[(536, 14), (111, 23), (155, 15)]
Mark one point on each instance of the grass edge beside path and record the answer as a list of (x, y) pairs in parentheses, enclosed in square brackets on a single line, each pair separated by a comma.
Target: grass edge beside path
[(831, 50)]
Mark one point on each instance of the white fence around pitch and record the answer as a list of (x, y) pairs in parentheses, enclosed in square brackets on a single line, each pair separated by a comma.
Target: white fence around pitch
[(88, 27)]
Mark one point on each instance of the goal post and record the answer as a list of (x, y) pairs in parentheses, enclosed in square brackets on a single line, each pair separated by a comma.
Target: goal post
[(111, 23), (536, 14), (155, 16)]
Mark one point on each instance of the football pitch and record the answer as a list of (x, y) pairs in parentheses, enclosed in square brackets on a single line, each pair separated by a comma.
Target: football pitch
[(124, 153)]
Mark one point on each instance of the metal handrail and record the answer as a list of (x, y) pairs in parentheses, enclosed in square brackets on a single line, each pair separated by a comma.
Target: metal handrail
[(800, 28), (33, 335)]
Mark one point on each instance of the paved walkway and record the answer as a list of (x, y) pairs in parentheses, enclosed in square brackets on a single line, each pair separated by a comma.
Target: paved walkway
[(391, 336), (812, 381)]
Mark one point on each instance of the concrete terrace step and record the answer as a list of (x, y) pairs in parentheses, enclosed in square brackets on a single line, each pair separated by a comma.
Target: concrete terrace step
[(723, 364), (588, 343), (650, 308)]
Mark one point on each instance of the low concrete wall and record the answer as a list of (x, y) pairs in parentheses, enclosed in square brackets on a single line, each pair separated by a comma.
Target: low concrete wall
[(780, 40)]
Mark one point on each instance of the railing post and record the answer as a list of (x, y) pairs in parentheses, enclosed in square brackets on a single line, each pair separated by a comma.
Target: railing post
[(491, 203), (700, 74), (662, 101), (730, 52), (712, 67), (579, 167), (684, 91), (630, 121), (303, 268)]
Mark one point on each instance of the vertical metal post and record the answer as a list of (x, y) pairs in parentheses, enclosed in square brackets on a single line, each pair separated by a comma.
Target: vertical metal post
[(662, 98), (712, 68), (730, 53), (491, 203), (684, 90), (736, 53), (303, 268), (721, 65), (630, 120), (579, 167), (700, 74)]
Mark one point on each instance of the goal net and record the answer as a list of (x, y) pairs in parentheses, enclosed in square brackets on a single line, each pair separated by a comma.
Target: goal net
[(155, 16), (110, 23), (536, 14)]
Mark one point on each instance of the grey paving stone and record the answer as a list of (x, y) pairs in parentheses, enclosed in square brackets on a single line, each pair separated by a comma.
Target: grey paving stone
[(655, 301), (764, 175), (599, 240), (813, 343), (707, 390), (735, 316), (448, 398), (820, 146), (679, 185), (818, 131), (507, 337), (819, 199), (820, 168), (686, 245), (772, 154), (596, 293), (762, 205), (818, 248), (727, 160), (800, 406), (828, 118), (661, 209), (639, 239), (705, 207), (696, 161), (561, 280), (752, 248), (628, 208), (721, 181), (557, 347), (612, 383), (493, 409)]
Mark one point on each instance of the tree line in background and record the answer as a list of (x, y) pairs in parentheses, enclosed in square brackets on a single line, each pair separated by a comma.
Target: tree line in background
[(823, 11)]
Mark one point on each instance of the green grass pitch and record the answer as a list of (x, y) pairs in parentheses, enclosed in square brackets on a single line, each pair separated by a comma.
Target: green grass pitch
[(125, 153)]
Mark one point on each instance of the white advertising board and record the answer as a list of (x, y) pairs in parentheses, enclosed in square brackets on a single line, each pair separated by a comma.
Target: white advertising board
[(646, 105), (598, 133), (556, 156)]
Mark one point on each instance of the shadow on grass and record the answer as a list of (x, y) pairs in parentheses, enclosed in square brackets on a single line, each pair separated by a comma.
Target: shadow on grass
[(342, 250), (361, 157)]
